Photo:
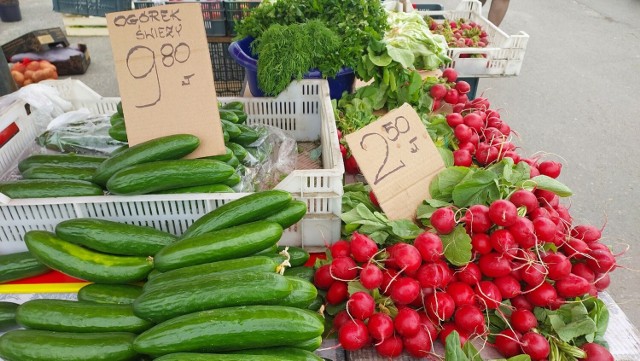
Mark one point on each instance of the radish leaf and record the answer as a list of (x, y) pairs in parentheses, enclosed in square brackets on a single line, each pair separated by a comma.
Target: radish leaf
[(480, 188), (457, 246), (550, 184)]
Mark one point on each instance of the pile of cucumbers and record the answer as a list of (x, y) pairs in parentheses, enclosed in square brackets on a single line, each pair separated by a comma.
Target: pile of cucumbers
[(222, 290)]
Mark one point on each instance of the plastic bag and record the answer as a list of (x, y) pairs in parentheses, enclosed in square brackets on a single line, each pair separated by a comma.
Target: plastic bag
[(79, 132), (45, 102), (270, 158)]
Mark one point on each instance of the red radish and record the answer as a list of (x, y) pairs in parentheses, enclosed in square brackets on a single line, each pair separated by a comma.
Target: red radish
[(503, 241), (540, 212), (380, 326), (438, 91), (558, 265), (350, 165), (564, 215), (340, 319), (509, 286), (436, 274), (389, 276), (322, 278), (596, 352), (553, 214), (373, 199), (371, 276), (513, 155), (462, 158), (461, 293), (480, 243), (524, 198), (550, 168), (475, 139), (523, 320), (468, 146), (535, 345), (533, 274), (585, 232), (503, 213), (337, 293), (407, 322), (457, 108), (521, 303), (494, 264), (494, 136), (404, 291), (581, 269), (361, 305), (469, 274), (449, 327), (363, 248), (488, 155), (523, 232), (443, 220), (454, 119), (477, 219), (488, 294), (542, 295), (344, 269), (449, 73), (341, 248), (463, 133), (440, 306), (572, 286), (544, 229), (429, 245), (427, 324), (575, 248), (473, 121), (353, 335), (545, 196), (469, 318), (452, 96), (597, 245), (602, 282), (462, 98), (343, 151), (418, 345), (601, 260), (463, 87), (405, 257), (508, 343), (390, 347)]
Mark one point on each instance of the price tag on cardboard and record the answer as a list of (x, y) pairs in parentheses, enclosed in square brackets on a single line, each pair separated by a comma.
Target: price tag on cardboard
[(398, 159), (164, 74)]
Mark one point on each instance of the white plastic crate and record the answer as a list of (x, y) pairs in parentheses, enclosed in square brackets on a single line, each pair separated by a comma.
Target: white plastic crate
[(304, 110), (502, 57)]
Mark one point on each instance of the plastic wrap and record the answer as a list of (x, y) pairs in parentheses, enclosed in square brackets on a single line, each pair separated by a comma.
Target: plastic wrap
[(79, 132), (45, 102)]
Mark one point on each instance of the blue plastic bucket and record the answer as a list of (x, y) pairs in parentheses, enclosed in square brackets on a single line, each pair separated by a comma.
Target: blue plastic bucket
[(241, 52)]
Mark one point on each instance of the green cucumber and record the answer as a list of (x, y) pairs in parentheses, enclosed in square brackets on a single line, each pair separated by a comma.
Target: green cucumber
[(233, 180), (153, 274), (119, 149), (234, 162), (297, 256), (302, 294), (79, 262), (186, 274), (47, 188), (120, 294), (302, 272), (113, 237), (231, 128), (213, 291), (77, 316), (119, 108), (242, 116), (69, 160), (228, 115), (37, 345), (53, 171), (284, 353), (8, 315), (116, 118), (234, 105), (269, 251), (248, 135), (311, 344), (168, 174), (289, 215), (234, 242), (316, 304), (221, 157), (238, 150), (163, 148), (231, 329), (249, 208), (17, 266), (119, 132), (193, 356), (207, 188), (225, 136)]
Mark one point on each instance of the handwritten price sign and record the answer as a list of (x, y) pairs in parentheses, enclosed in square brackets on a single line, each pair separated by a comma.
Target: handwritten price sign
[(398, 160), (165, 76)]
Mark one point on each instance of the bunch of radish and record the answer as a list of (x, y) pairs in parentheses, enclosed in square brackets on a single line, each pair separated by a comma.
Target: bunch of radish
[(460, 33)]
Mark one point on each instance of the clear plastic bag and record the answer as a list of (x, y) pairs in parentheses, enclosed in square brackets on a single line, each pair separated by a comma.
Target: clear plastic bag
[(45, 102)]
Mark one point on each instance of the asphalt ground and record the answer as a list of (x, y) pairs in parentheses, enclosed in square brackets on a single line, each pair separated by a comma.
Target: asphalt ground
[(575, 101)]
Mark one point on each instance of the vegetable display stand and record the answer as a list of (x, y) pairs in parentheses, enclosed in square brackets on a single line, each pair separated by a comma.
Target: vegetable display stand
[(241, 52), (303, 110), (90, 7), (212, 13), (236, 11)]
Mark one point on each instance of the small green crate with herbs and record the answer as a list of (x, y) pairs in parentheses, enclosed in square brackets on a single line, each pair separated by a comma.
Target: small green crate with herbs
[(236, 11), (213, 14)]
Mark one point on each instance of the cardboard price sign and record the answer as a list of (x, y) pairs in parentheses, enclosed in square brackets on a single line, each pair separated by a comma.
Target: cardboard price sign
[(165, 76), (398, 159)]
